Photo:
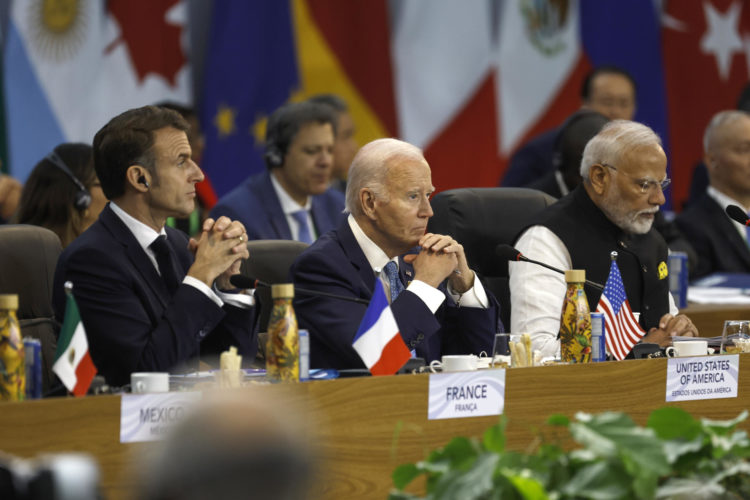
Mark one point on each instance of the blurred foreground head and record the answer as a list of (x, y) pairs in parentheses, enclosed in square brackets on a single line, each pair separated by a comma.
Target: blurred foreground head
[(233, 445)]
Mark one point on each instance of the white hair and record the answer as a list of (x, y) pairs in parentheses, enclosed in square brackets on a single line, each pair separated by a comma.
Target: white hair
[(369, 169), (614, 140), (719, 121)]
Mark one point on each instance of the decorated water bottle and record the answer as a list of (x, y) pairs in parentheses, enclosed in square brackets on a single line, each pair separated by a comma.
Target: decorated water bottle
[(282, 347), (12, 353), (575, 320)]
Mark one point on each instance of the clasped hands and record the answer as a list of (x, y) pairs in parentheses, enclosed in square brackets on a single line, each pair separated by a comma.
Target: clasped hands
[(671, 326), (441, 257), (219, 251)]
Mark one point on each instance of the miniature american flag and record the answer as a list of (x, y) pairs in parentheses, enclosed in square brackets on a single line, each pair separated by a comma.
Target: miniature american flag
[(621, 329)]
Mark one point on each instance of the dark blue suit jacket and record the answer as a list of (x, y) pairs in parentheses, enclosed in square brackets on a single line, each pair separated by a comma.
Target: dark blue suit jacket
[(710, 231), (255, 204), (532, 161), (336, 264), (131, 321)]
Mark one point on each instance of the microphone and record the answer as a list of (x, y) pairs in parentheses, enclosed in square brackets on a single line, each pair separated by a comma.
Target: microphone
[(507, 252), (736, 213), (241, 281)]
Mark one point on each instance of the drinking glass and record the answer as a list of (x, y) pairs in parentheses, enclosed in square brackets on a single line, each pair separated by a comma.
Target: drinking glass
[(501, 347), (734, 328)]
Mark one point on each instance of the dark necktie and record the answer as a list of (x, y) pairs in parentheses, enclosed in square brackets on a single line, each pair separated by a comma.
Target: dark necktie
[(394, 281), (166, 263), (304, 228)]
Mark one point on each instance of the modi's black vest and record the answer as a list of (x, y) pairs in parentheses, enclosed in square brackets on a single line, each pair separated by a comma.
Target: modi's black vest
[(590, 238)]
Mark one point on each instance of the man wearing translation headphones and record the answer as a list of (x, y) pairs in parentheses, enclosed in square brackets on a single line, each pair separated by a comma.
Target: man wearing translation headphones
[(149, 299), (292, 200)]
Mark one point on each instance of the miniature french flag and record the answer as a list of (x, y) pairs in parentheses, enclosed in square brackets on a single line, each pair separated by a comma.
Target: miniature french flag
[(378, 341)]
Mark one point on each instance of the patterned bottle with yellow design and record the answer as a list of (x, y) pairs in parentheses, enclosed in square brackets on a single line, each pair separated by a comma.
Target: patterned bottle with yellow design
[(12, 354), (575, 320), (282, 347)]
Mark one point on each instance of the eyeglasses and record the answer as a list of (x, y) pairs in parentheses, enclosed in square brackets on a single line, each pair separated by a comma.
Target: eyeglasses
[(645, 185)]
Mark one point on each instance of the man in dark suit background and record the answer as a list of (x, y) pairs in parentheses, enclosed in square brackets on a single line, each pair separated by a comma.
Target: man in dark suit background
[(292, 200), (721, 243), (149, 299), (345, 145), (571, 139), (608, 90), (439, 304)]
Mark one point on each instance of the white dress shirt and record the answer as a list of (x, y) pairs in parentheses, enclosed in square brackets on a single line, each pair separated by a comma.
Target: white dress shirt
[(289, 206), (537, 293), (145, 236), (431, 296), (724, 201)]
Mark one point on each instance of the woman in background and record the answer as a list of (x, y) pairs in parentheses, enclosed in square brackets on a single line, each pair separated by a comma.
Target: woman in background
[(63, 193)]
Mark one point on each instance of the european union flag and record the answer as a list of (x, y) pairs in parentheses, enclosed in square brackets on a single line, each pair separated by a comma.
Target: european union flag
[(251, 69)]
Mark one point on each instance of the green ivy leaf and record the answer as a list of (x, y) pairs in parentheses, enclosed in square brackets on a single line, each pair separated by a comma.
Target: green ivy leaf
[(404, 474), (615, 438), (676, 449), (672, 422), (458, 452), (724, 445), (470, 484), (558, 420), (723, 426), (599, 481), (494, 437), (528, 487), (689, 488), (400, 495)]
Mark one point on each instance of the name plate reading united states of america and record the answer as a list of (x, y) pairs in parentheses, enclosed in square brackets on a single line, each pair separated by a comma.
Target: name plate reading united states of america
[(702, 377)]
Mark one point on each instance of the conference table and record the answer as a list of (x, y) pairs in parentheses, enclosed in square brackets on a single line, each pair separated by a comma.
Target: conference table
[(369, 425)]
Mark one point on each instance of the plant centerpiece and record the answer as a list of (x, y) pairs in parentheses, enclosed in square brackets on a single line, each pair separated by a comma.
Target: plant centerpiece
[(675, 456)]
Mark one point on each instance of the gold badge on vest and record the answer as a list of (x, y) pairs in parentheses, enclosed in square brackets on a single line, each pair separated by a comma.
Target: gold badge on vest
[(663, 271)]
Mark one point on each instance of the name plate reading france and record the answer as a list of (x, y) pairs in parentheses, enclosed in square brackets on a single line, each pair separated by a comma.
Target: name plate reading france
[(466, 394), (702, 377), (147, 417)]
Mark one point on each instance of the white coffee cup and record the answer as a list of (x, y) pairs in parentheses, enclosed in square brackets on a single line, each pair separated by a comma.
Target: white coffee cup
[(142, 382), (688, 348), (455, 363)]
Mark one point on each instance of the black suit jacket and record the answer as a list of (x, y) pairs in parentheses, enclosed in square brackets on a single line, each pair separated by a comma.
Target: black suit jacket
[(712, 234), (131, 321), (336, 264)]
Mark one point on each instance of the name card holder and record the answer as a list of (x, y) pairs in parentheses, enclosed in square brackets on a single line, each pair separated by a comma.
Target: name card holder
[(702, 377), (147, 417), (466, 394)]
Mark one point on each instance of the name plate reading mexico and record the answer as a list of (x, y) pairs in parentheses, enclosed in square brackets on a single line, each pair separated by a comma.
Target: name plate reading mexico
[(702, 377), (147, 417), (466, 394)]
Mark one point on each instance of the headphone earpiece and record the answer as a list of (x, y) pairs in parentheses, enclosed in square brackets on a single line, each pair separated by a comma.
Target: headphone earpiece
[(142, 180), (273, 157), (82, 198)]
